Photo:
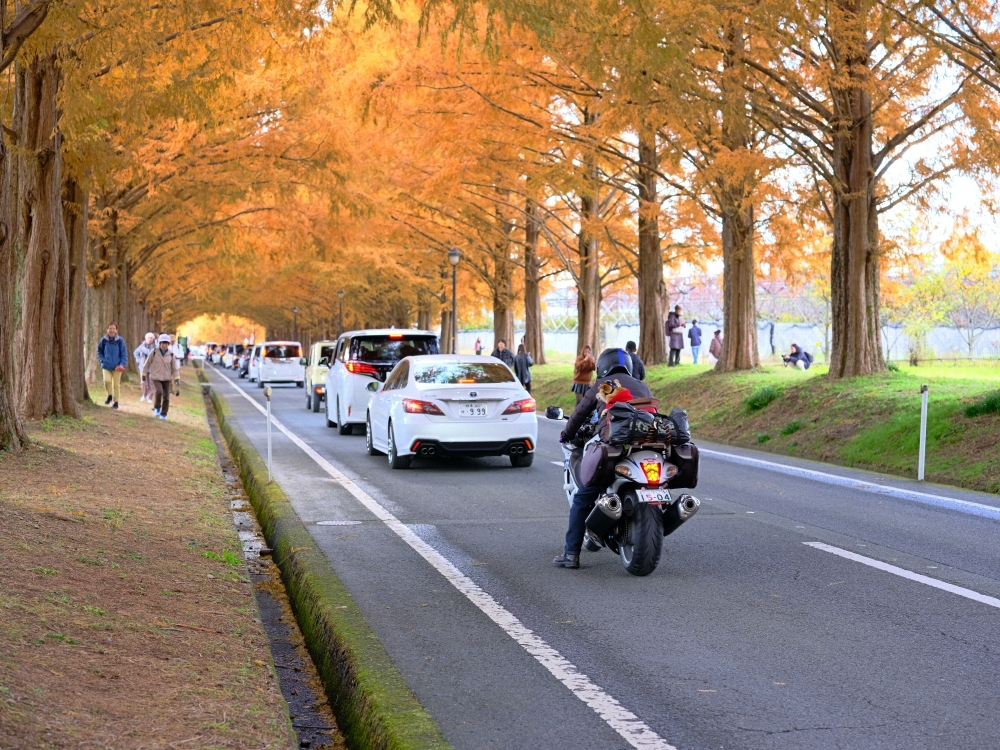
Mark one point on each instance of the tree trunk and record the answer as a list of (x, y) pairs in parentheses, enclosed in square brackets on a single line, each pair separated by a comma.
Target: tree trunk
[(652, 290), (854, 265), (503, 284), (735, 197), (75, 203), (12, 435), (534, 340), (45, 385), (445, 343), (105, 266)]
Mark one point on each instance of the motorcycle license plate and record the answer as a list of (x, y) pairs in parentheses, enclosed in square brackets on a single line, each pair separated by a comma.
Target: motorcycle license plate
[(469, 409), (654, 496)]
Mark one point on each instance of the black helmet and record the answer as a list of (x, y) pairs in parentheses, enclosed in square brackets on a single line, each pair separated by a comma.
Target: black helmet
[(613, 360)]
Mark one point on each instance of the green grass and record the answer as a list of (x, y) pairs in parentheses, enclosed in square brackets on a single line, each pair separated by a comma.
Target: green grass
[(869, 422)]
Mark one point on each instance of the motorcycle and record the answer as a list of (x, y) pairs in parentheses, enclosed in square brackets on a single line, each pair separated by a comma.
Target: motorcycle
[(636, 509)]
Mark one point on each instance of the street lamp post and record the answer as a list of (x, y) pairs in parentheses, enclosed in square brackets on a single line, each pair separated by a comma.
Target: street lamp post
[(340, 314), (454, 256), (295, 323)]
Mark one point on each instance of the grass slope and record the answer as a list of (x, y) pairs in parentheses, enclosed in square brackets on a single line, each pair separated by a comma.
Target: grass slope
[(869, 422)]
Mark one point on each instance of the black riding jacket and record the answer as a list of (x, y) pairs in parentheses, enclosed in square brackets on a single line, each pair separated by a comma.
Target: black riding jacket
[(586, 406)]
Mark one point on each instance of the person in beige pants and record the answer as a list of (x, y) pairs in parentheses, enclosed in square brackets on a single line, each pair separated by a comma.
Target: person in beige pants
[(161, 368)]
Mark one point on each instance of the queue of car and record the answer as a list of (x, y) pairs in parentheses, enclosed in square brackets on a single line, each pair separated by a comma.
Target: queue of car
[(411, 400)]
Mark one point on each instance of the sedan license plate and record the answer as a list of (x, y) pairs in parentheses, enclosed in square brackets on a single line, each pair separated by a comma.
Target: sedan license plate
[(654, 496), (468, 409)]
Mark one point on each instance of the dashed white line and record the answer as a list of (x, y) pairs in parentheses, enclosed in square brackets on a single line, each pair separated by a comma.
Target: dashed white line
[(635, 731), (904, 573)]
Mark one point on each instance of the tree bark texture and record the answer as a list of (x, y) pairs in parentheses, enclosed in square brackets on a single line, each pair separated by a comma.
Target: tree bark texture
[(652, 289), (734, 194), (854, 264), (75, 204), (534, 340), (502, 286), (45, 384), (12, 435), (107, 278)]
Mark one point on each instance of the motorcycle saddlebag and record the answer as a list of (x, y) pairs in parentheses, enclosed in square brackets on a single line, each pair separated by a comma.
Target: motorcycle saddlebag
[(597, 467), (685, 458)]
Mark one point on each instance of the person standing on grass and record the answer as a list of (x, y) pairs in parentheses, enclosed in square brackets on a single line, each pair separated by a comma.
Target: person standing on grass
[(522, 367), (479, 347), (695, 335), (113, 356), (583, 368), (675, 333), (140, 355), (715, 346), (162, 367), (638, 366)]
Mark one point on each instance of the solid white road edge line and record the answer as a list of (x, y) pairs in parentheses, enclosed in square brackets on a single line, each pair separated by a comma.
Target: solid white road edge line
[(903, 573), (635, 731), (940, 501)]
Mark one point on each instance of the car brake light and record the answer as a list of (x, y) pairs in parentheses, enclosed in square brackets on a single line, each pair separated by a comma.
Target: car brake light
[(395, 335), (466, 380), (361, 368), (652, 471), (413, 406), (518, 407)]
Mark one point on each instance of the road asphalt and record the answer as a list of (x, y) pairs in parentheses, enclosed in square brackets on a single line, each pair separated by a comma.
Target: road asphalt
[(748, 635)]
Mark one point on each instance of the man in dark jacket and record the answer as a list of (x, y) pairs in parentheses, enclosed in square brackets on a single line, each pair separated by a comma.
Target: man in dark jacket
[(638, 367), (695, 335), (503, 354), (613, 364), (113, 356)]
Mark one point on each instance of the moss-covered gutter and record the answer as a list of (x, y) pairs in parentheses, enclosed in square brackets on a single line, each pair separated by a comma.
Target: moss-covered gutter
[(373, 705)]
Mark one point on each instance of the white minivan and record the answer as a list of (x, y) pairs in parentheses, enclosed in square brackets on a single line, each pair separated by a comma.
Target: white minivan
[(278, 362), (364, 357)]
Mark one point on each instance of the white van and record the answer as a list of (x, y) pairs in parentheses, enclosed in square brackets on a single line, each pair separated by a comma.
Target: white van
[(279, 363)]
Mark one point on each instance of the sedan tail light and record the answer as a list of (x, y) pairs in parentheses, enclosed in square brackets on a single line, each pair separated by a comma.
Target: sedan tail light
[(413, 406), (361, 368), (518, 407)]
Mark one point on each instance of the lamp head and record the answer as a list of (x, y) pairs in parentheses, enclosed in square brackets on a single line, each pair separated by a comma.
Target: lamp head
[(454, 256)]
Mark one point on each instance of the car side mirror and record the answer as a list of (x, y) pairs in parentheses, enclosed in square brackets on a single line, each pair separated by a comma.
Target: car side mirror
[(372, 386), (304, 361), (324, 362)]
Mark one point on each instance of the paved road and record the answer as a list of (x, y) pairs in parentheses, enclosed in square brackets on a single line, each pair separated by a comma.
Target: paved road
[(745, 637)]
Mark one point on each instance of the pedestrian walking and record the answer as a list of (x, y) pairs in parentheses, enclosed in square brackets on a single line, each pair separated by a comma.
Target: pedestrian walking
[(503, 354), (522, 367), (583, 368), (638, 366), (178, 352), (675, 333), (479, 347), (140, 355), (161, 368), (695, 335), (715, 346), (112, 353)]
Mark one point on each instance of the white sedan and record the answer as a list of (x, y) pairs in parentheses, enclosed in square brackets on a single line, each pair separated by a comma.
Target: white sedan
[(445, 404)]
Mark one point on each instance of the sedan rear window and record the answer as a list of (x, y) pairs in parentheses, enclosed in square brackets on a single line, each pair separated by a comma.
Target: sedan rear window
[(391, 348), (454, 373), (282, 351)]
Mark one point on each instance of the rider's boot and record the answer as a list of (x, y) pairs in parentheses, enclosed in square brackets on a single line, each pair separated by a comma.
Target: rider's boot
[(567, 561)]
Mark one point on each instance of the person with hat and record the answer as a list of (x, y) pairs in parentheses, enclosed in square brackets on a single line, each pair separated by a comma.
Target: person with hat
[(161, 368), (141, 354)]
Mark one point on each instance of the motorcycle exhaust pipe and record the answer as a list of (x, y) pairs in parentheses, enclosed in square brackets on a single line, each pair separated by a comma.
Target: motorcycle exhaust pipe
[(605, 516), (676, 514)]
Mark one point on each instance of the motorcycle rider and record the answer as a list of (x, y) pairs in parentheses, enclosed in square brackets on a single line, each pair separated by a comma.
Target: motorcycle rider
[(613, 364)]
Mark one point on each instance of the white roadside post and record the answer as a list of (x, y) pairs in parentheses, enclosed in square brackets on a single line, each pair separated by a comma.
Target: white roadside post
[(923, 433), (267, 395)]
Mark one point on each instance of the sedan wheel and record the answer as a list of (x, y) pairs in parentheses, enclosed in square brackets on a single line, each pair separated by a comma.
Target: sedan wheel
[(395, 460), (369, 440)]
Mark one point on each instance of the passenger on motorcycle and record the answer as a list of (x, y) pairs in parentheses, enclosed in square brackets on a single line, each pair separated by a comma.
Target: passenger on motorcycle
[(612, 362)]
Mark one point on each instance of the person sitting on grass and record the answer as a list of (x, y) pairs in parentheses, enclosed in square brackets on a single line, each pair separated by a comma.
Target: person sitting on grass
[(798, 357)]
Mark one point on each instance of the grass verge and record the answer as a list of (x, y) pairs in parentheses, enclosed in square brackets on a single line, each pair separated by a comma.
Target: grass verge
[(374, 706), (127, 618), (867, 422)]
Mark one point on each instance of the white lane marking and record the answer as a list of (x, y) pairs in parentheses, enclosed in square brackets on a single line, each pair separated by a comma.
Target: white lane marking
[(940, 501), (557, 463), (337, 523), (635, 731), (903, 573)]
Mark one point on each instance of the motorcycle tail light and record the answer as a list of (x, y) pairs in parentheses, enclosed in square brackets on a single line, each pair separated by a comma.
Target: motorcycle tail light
[(413, 406), (361, 368), (519, 407), (652, 471)]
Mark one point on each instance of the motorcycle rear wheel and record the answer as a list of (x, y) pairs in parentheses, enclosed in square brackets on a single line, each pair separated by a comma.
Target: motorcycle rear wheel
[(640, 548)]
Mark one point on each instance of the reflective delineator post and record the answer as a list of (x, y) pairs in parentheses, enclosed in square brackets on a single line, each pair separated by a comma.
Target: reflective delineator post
[(923, 433), (267, 395)]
